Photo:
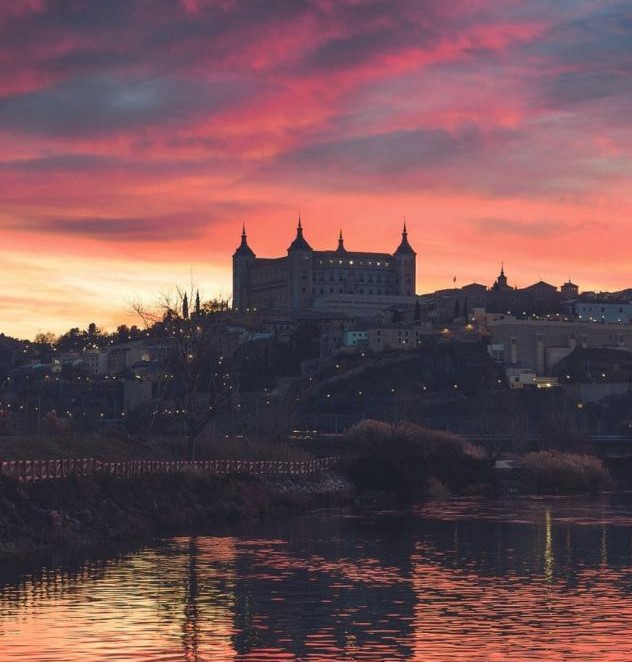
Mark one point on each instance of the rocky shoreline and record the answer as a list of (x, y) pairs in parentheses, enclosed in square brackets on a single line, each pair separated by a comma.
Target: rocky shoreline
[(99, 511)]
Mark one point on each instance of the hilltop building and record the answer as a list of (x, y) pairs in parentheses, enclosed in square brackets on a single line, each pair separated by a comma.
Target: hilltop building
[(326, 280)]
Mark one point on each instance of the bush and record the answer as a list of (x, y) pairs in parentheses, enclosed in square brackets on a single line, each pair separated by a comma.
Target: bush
[(554, 472), (404, 460)]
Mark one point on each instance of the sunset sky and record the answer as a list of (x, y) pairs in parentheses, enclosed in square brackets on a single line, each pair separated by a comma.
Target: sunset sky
[(137, 135)]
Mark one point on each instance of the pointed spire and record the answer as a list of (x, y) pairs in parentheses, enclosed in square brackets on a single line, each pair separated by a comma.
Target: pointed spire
[(341, 246), (404, 247), (501, 281), (244, 250), (299, 243)]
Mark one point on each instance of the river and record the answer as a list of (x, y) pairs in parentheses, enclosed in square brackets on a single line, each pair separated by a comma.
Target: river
[(528, 579)]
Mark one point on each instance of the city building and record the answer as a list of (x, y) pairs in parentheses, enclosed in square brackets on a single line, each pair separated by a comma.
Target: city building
[(598, 308), (327, 280), (540, 344)]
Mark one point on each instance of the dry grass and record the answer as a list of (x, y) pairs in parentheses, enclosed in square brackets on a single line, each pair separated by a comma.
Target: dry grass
[(121, 448), (39, 447), (554, 472), (406, 460), (248, 448)]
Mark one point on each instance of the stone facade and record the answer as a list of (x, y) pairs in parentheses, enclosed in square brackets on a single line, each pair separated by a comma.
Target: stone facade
[(540, 345), (307, 278)]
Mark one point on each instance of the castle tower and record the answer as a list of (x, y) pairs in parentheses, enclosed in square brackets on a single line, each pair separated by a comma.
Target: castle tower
[(300, 271), (341, 250), (569, 291), (243, 259), (406, 266)]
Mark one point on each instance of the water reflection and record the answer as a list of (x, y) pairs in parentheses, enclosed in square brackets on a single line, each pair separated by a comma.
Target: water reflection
[(464, 580)]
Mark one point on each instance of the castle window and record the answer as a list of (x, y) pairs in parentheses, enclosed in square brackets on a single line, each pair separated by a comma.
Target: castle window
[(340, 290), (331, 290), (322, 291), (351, 262)]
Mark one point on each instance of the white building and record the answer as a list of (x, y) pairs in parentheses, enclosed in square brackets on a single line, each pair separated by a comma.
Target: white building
[(604, 310)]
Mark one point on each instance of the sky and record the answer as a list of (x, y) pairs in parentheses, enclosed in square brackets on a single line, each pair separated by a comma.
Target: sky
[(136, 136)]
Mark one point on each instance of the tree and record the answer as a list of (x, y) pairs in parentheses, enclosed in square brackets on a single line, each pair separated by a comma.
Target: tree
[(45, 339), (198, 380)]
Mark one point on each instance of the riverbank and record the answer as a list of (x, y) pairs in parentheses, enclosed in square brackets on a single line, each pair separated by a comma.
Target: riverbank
[(101, 510)]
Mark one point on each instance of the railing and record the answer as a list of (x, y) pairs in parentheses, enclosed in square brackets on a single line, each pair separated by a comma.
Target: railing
[(30, 471)]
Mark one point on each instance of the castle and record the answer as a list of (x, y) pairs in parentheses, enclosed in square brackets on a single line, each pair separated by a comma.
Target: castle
[(327, 280)]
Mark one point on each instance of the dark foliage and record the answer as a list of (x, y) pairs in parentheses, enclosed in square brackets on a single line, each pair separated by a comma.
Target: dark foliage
[(404, 461)]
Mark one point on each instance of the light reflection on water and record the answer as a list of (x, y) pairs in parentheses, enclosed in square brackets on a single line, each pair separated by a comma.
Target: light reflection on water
[(466, 580)]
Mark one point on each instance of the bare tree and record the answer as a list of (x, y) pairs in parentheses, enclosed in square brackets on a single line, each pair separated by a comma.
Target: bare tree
[(198, 380)]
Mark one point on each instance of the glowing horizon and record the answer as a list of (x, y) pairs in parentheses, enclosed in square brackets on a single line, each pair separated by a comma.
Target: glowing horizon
[(136, 139)]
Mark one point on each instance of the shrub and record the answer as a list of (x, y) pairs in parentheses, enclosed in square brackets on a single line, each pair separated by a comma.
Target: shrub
[(402, 460), (555, 472)]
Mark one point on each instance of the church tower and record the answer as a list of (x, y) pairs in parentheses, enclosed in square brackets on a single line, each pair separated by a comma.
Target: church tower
[(243, 259), (300, 271), (501, 284), (405, 266)]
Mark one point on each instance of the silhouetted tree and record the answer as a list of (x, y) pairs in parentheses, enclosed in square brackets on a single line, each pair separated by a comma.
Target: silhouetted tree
[(197, 377)]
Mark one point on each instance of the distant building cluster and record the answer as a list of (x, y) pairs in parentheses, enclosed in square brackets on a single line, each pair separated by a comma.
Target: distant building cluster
[(367, 300), (309, 307)]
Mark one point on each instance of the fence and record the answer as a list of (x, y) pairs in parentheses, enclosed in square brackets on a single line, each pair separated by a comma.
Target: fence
[(30, 471)]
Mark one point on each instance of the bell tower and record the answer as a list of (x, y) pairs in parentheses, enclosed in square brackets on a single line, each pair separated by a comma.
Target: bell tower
[(405, 266)]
